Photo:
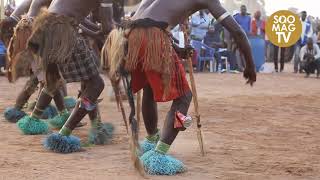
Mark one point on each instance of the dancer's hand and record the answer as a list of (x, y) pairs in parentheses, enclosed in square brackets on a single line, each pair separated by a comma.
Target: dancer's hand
[(250, 74)]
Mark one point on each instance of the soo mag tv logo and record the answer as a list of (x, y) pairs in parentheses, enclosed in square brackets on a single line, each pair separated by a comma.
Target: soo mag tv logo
[(284, 28)]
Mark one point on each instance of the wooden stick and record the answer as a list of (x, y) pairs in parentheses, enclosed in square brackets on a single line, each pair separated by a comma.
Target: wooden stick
[(195, 97), (139, 109), (117, 93)]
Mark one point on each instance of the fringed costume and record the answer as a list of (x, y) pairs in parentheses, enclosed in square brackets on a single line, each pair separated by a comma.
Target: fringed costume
[(66, 57), (145, 49), (149, 57), (23, 63)]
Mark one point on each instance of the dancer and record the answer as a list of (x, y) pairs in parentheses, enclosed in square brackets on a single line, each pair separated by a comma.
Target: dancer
[(65, 57), (156, 68), (22, 61)]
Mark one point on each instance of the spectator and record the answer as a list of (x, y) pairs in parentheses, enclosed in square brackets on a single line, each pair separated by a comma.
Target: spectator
[(276, 57), (318, 35), (258, 25), (215, 39), (243, 19), (307, 32), (310, 56), (178, 35), (200, 22), (2, 57)]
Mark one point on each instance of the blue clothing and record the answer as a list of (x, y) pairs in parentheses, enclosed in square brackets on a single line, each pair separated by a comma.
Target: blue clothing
[(3, 49), (244, 22), (199, 25), (306, 32)]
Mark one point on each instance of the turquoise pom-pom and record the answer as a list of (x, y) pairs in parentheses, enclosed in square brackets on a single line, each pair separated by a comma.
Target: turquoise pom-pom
[(146, 146), (58, 121), (32, 126), (62, 144), (156, 163), (70, 102), (50, 112), (13, 114), (101, 134)]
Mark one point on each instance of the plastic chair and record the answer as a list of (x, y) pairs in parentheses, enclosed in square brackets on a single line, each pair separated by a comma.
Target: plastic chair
[(208, 55)]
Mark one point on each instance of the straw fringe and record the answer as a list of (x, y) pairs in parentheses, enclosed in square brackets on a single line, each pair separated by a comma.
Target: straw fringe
[(55, 36), (19, 57), (150, 48), (113, 52)]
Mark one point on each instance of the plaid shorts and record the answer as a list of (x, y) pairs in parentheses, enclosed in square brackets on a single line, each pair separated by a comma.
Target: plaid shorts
[(82, 66)]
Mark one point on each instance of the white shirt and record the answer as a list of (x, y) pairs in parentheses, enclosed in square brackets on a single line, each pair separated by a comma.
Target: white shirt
[(178, 34), (315, 52), (199, 25)]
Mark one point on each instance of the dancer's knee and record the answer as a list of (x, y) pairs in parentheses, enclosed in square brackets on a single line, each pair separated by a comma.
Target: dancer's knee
[(98, 83)]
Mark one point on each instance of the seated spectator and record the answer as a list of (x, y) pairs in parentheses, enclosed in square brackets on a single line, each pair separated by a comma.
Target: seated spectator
[(258, 26), (2, 57), (310, 56), (307, 32), (200, 22), (214, 38)]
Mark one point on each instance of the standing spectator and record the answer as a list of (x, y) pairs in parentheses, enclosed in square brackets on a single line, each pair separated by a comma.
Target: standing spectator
[(307, 32), (318, 35), (200, 22), (276, 57), (243, 19), (258, 26), (310, 56)]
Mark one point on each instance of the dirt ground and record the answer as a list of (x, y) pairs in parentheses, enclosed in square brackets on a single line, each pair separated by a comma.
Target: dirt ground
[(269, 131)]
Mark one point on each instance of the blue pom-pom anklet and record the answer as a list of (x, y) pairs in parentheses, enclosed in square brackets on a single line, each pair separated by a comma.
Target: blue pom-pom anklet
[(58, 121), (13, 114), (62, 144), (32, 126), (149, 143), (156, 163), (101, 133)]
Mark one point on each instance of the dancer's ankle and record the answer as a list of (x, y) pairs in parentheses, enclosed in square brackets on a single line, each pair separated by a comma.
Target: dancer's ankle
[(18, 107), (37, 112), (63, 112), (162, 147), (153, 138), (65, 131)]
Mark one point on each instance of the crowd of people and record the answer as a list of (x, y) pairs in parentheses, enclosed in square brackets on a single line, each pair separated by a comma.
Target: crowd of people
[(205, 29)]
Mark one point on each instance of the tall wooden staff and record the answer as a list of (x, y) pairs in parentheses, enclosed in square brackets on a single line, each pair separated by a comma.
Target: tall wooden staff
[(139, 109), (194, 92), (2, 10), (118, 97)]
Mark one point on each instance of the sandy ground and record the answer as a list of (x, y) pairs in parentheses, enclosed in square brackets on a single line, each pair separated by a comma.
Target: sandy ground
[(270, 131)]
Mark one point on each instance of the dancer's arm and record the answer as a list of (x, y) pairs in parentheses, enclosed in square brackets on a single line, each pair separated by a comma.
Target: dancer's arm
[(239, 35), (21, 10), (36, 5), (105, 14)]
